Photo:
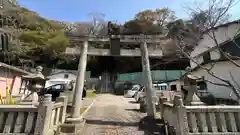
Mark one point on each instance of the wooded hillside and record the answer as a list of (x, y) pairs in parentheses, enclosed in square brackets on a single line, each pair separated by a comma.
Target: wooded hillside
[(43, 41)]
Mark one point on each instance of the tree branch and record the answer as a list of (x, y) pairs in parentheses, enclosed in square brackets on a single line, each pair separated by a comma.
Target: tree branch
[(227, 82)]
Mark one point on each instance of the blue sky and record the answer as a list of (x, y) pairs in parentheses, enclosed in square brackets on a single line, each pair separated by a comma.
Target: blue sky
[(120, 10)]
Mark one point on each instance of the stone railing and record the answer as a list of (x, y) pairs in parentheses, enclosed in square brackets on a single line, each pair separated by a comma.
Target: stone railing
[(204, 120), (42, 119)]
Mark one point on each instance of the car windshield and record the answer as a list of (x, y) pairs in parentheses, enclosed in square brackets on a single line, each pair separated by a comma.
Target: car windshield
[(135, 88), (55, 87), (141, 89)]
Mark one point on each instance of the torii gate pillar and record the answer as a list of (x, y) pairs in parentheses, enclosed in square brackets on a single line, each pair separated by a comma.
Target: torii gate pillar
[(151, 109), (77, 93)]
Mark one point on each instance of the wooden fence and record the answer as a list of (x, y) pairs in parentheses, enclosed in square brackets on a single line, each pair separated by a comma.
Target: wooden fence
[(42, 119), (201, 120)]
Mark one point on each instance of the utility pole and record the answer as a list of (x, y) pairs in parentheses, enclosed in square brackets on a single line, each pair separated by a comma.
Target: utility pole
[(148, 80), (77, 94)]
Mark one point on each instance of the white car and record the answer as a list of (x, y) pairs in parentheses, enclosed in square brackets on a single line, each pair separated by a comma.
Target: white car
[(130, 93), (159, 88), (52, 82), (139, 94)]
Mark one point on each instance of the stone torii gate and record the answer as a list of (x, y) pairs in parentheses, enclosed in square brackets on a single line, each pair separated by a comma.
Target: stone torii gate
[(148, 48)]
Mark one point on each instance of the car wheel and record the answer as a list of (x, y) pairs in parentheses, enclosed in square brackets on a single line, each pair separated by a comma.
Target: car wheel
[(138, 101), (142, 108)]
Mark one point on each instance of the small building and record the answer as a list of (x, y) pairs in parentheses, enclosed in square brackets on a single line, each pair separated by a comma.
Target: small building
[(207, 55), (60, 75), (10, 77), (66, 74), (175, 85), (63, 74)]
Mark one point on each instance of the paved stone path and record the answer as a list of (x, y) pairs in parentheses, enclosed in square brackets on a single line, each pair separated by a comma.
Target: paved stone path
[(112, 115), (87, 102)]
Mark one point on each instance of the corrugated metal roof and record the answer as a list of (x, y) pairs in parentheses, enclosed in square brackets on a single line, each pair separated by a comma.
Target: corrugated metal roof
[(157, 75)]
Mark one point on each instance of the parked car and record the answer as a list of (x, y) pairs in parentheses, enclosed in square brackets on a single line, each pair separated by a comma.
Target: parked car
[(56, 89), (52, 82), (130, 93), (159, 88)]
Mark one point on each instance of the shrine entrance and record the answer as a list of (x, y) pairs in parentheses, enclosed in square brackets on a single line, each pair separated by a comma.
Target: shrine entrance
[(143, 46), (115, 46)]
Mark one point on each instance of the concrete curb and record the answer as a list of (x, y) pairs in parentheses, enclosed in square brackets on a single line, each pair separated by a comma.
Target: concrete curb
[(85, 112)]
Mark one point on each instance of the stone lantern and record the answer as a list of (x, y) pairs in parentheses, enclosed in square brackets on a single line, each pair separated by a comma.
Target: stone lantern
[(35, 85), (190, 89)]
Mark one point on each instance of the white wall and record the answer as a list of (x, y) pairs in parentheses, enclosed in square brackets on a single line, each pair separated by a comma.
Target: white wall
[(222, 34), (214, 55), (195, 60), (223, 70)]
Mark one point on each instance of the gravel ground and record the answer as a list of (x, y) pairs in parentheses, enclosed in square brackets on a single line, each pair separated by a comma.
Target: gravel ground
[(113, 115)]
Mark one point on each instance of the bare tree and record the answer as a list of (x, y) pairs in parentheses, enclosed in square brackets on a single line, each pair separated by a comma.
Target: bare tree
[(206, 22), (68, 26), (97, 21), (82, 28), (95, 26)]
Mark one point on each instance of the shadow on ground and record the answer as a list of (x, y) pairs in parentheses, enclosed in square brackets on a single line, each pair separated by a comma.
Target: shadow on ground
[(152, 126), (133, 102), (111, 123), (148, 125), (135, 110)]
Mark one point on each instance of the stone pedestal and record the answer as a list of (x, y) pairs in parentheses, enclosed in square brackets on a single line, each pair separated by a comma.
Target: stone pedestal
[(191, 97), (73, 125)]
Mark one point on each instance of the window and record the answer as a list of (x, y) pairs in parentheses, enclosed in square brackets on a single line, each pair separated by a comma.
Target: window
[(206, 57), (163, 87), (65, 75), (202, 89), (173, 87), (56, 87), (231, 48), (202, 86)]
